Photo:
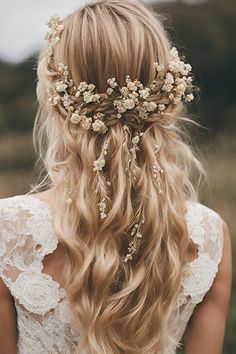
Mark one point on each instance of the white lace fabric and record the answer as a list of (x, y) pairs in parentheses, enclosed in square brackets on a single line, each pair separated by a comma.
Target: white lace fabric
[(45, 321)]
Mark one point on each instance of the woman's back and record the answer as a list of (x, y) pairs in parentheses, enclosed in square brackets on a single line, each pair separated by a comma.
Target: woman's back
[(45, 321)]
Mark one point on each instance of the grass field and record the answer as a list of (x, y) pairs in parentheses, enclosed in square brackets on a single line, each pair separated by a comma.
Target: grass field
[(219, 158)]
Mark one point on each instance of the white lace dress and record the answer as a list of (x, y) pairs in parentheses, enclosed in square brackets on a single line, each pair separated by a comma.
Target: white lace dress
[(44, 319)]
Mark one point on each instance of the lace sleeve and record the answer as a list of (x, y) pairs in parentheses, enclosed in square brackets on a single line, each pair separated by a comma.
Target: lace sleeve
[(16, 245), (214, 235)]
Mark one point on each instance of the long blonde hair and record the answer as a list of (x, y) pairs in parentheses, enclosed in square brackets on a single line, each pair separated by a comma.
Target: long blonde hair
[(122, 308)]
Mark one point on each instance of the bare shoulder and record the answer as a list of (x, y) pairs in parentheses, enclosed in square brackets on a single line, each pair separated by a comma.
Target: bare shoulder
[(206, 329)]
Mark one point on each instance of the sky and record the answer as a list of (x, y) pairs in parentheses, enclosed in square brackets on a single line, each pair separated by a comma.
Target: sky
[(23, 24)]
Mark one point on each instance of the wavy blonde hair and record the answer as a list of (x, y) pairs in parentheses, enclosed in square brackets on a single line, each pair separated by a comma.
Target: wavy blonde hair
[(122, 307)]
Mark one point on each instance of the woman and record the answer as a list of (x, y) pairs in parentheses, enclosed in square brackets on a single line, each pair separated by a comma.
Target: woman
[(116, 255)]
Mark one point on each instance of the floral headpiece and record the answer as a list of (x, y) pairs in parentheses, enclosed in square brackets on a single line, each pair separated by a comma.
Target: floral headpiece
[(131, 104)]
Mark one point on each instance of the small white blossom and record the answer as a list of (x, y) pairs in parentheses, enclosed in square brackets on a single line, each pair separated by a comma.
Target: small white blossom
[(189, 97), (95, 98), (180, 89), (128, 79), (91, 87), (112, 82), (60, 86), (99, 126), (83, 86), (56, 100), (144, 93), (135, 140), (76, 118), (150, 106), (159, 67), (99, 164), (86, 123), (109, 91), (132, 86), (169, 79), (129, 104), (88, 96), (161, 107), (124, 90)]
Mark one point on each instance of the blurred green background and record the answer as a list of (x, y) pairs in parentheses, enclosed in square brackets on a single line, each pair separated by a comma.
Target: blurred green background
[(205, 32)]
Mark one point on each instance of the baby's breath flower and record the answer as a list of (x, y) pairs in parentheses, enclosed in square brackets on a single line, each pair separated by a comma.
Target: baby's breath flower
[(189, 97), (144, 93), (99, 164), (109, 91), (161, 107), (99, 126), (76, 118), (112, 82), (129, 104), (159, 67), (86, 123), (150, 106), (61, 86), (135, 140), (83, 86)]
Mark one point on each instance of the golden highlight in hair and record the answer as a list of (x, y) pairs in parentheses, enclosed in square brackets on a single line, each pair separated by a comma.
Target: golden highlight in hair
[(120, 307)]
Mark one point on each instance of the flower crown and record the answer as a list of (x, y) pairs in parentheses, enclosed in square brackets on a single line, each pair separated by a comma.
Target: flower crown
[(131, 104)]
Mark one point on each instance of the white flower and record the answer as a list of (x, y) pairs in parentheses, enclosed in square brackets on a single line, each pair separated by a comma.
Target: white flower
[(98, 164), (88, 96), (167, 87), (180, 89), (129, 103), (189, 97), (60, 86), (161, 107), (144, 93), (112, 82), (135, 140), (83, 86), (128, 79), (159, 67), (91, 87), (56, 100), (62, 68), (102, 208), (169, 79), (124, 90), (66, 101), (132, 86), (119, 115), (86, 123), (76, 118), (99, 115), (109, 91), (95, 98), (99, 126), (120, 106), (150, 106), (174, 54)]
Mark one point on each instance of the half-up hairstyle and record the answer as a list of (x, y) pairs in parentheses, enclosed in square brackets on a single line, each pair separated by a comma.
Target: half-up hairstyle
[(120, 307)]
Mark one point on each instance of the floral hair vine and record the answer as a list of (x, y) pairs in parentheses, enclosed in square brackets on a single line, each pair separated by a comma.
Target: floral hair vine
[(132, 104)]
